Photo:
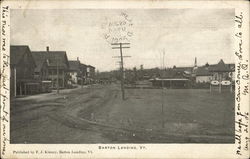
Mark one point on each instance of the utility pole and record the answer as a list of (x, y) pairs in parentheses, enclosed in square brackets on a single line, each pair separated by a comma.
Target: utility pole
[(57, 71), (162, 84), (121, 46), (220, 80), (82, 81)]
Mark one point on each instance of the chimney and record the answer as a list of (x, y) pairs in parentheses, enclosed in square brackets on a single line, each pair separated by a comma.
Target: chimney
[(47, 48), (77, 58), (195, 62)]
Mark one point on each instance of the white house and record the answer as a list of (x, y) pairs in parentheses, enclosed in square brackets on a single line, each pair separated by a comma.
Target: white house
[(203, 75)]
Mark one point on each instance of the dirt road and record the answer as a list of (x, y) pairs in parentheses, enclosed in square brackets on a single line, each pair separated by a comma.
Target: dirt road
[(52, 118), (96, 114)]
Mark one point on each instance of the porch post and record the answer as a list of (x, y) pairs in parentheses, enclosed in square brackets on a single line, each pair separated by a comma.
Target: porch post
[(15, 82), (52, 77), (220, 82), (25, 89), (231, 88), (63, 77), (20, 89), (210, 87)]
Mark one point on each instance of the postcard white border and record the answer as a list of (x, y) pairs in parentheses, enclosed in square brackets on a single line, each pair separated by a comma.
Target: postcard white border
[(152, 150)]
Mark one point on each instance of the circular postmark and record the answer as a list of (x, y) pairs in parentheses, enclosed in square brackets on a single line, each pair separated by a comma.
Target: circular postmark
[(117, 29)]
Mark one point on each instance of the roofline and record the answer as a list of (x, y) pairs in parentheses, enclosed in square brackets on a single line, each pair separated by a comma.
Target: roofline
[(170, 79), (34, 62), (27, 48), (204, 75), (183, 67), (90, 66), (222, 71), (47, 51), (19, 45), (83, 64)]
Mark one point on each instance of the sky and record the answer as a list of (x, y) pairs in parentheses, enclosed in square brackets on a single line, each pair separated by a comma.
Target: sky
[(182, 34)]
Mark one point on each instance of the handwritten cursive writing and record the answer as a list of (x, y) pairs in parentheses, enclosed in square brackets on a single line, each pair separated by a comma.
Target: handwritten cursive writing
[(4, 94), (242, 90)]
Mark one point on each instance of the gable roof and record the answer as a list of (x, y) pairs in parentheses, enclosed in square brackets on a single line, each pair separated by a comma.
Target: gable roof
[(203, 71), (40, 59), (83, 65), (173, 73), (53, 58), (17, 52), (74, 65), (90, 66), (220, 67), (168, 73), (231, 66), (181, 69)]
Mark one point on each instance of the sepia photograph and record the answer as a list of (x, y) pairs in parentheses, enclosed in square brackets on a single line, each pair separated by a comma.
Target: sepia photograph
[(124, 79), (80, 76)]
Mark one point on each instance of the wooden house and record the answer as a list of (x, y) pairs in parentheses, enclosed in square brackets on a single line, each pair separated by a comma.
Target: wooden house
[(90, 74), (220, 71), (84, 73), (75, 72), (22, 67), (54, 67), (203, 74)]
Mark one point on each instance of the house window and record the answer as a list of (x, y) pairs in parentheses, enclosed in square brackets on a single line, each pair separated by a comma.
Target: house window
[(60, 72), (216, 76), (50, 72)]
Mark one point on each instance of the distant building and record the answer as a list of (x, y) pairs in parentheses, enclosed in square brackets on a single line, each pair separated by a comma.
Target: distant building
[(171, 82), (42, 72), (84, 73), (81, 73), (203, 75), (232, 73), (57, 66), (22, 67), (221, 71), (217, 72), (90, 74), (41, 69), (183, 72), (75, 71), (184, 77)]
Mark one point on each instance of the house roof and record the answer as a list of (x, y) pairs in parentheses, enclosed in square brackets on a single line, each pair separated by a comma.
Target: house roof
[(53, 58), (231, 66), (183, 68), (169, 79), (74, 65), (168, 73), (17, 52), (40, 59), (90, 66), (220, 67), (203, 71), (173, 73), (83, 66)]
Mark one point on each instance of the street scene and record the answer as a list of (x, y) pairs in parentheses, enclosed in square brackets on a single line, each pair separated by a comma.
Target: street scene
[(98, 115), (104, 80)]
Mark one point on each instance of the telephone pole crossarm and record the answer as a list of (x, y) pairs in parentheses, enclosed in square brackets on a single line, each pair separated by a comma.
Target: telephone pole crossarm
[(125, 47), (120, 56)]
